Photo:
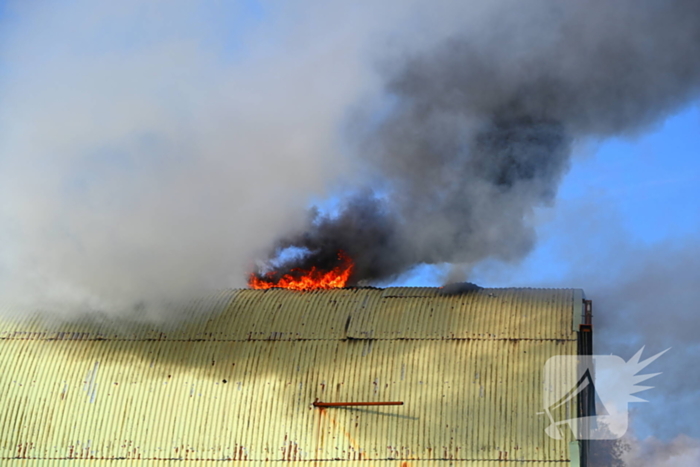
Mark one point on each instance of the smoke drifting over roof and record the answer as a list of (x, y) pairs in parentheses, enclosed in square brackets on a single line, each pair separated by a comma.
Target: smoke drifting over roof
[(478, 129), (146, 149), (154, 150)]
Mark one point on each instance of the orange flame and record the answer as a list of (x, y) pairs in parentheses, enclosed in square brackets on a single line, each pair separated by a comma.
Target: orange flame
[(299, 279)]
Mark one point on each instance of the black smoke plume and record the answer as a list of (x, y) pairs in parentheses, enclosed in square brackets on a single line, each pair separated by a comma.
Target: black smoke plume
[(478, 129)]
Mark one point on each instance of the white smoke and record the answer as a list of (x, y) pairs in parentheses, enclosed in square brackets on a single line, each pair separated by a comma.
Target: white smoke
[(682, 451), (155, 149), (152, 150)]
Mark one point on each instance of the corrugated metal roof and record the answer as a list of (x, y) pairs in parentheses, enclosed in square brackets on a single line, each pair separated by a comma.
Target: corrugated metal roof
[(338, 463), (393, 313), (426, 313), (236, 380)]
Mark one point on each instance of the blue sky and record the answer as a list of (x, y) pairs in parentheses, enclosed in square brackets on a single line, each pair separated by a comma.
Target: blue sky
[(652, 179), (649, 182)]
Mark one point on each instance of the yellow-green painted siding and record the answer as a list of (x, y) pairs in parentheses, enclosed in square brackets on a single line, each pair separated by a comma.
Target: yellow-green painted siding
[(235, 381)]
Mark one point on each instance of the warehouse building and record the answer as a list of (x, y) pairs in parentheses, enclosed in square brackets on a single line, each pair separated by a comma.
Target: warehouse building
[(255, 377)]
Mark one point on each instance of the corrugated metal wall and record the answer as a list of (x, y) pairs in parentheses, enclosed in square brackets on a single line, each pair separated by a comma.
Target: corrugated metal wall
[(333, 463), (236, 381)]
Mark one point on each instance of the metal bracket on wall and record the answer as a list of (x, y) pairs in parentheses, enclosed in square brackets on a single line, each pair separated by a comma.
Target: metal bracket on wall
[(587, 325), (588, 312)]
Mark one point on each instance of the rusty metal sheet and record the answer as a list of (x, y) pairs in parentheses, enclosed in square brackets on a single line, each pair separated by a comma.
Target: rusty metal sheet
[(225, 388), (393, 313), (274, 314), (429, 313), (336, 463), (253, 400)]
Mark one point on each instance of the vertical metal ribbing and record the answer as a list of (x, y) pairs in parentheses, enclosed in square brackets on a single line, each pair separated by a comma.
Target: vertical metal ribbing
[(468, 368)]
